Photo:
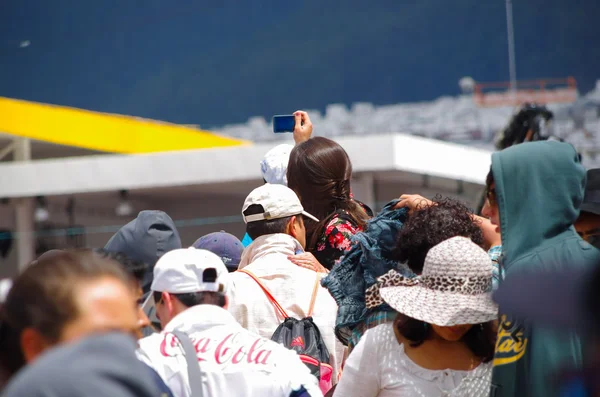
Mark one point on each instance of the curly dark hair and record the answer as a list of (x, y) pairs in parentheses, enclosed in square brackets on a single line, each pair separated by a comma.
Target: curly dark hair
[(429, 226), (480, 339)]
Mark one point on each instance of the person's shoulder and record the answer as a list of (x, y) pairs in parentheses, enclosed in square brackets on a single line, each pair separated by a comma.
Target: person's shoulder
[(377, 336), (334, 220), (151, 340), (365, 208), (103, 363), (237, 276), (240, 282), (325, 307), (382, 338), (341, 223), (380, 331), (149, 347), (341, 217), (376, 344), (571, 251)]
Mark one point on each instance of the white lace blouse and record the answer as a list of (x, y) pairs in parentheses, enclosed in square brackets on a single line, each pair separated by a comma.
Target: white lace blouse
[(378, 366)]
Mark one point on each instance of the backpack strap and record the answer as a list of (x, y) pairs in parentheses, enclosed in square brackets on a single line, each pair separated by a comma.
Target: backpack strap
[(314, 296), (193, 368), (268, 293)]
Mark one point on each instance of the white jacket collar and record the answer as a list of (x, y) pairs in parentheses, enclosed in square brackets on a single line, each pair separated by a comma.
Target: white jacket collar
[(201, 317), (270, 244)]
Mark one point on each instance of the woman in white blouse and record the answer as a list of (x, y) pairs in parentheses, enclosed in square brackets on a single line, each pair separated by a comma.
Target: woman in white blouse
[(442, 342)]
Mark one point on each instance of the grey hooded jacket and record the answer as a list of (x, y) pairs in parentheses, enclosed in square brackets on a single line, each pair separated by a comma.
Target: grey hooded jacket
[(146, 239)]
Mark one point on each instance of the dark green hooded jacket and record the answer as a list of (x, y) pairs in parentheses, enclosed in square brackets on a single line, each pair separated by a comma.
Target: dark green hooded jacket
[(539, 188)]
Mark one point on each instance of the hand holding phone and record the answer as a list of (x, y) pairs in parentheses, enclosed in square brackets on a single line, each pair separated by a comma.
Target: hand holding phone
[(303, 128), (283, 123), (299, 123)]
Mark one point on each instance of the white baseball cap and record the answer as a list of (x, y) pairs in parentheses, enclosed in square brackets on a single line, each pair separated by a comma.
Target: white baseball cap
[(278, 202), (188, 270), (274, 165)]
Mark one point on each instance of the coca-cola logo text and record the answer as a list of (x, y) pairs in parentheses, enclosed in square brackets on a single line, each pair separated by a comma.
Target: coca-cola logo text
[(234, 348)]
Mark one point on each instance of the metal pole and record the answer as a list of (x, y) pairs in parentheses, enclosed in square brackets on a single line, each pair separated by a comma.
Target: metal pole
[(24, 208), (511, 48)]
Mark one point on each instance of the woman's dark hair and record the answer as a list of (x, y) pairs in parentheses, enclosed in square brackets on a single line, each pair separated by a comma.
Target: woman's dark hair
[(262, 228), (44, 297), (490, 192), (428, 226), (489, 179), (319, 171), (480, 339)]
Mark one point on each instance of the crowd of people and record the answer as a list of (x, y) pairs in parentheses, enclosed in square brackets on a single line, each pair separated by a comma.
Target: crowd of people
[(322, 297)]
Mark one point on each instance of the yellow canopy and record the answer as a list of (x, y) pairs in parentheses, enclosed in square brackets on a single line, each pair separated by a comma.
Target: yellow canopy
[(101, 131)]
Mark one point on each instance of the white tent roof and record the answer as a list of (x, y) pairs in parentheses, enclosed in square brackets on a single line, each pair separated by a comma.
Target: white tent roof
[(99, 173)]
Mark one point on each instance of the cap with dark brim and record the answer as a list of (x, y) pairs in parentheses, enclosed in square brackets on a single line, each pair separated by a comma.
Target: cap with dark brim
[(262, 217), (556, 299)]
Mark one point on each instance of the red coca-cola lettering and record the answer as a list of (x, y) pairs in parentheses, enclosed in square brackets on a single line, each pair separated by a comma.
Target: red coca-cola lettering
[(170, 342), (239, 356), (202, 345), (259, 353), (163, 345), (231, 349), (222, 351), (265, 356)]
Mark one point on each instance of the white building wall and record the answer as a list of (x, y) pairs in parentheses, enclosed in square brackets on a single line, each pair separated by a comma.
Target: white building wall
[(198, 213)]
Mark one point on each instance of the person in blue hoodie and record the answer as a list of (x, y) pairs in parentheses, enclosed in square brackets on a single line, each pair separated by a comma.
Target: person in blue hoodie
[(534, 193)]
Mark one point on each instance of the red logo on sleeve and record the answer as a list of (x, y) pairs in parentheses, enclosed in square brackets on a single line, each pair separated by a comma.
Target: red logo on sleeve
[(297, 341)]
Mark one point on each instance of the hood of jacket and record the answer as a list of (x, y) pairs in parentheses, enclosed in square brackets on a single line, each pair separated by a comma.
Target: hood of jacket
[(270, 244), (146, 239), (539, 188)]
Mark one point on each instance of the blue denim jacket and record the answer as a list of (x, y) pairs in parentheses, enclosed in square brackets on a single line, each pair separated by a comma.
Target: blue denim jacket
[(368, 259)]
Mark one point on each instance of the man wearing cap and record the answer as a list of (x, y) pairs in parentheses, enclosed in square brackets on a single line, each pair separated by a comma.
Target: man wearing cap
[(226, 246), (274, 219), (273, 166), (588, 223), (189, 289)]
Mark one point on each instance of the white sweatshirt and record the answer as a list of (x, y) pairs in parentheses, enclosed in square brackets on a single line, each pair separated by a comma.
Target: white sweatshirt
[(233, 361)]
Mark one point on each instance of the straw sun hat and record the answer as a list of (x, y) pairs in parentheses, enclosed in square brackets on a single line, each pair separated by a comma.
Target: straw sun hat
[(454, 288)]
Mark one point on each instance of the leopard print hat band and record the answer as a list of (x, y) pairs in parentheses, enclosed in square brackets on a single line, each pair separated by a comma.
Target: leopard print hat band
[(390, 279)]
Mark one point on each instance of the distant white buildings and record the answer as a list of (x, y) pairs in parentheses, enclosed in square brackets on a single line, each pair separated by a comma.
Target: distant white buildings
[(455, 119)]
